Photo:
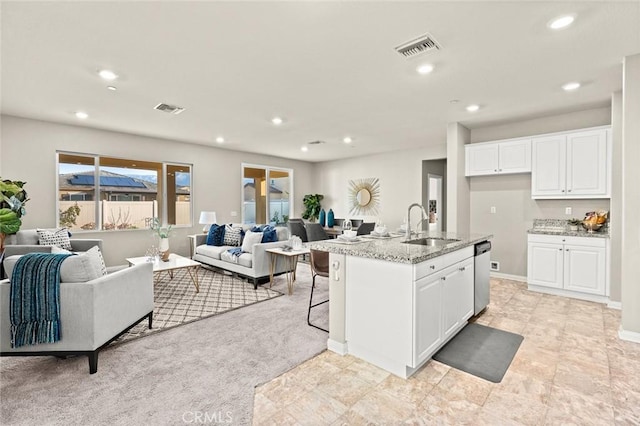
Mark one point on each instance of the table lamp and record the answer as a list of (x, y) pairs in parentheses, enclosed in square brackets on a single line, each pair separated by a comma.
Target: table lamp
[(206, 219)]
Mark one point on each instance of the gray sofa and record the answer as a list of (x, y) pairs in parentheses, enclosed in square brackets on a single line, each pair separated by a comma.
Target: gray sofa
[(26, 241), (255, 266), (92, 313)]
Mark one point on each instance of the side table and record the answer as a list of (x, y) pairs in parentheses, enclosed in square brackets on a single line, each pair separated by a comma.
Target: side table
[(289, 256)]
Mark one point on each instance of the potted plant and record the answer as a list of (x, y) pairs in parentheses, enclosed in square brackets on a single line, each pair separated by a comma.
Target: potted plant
[(12, 200), (312, 206), (163, 233)]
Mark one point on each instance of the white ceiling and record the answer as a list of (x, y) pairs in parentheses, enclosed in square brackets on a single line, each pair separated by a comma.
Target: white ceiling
[(328, 68)]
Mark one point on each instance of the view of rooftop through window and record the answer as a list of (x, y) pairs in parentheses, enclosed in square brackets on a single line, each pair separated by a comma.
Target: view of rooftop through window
[(130, 193)]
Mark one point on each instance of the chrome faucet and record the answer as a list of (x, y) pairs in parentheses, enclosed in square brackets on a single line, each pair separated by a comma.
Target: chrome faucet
[(424, 215)]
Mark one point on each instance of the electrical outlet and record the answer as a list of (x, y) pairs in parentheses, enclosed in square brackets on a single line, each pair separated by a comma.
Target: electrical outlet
[(493, 209), (234, 214), (567, 210), (495, 265)]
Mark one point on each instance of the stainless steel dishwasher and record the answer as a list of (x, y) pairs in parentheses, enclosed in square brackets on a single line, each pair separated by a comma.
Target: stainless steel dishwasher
[(481, 263)]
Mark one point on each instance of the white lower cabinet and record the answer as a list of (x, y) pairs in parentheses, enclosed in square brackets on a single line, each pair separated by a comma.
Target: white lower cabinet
[(443, 302), (575, 265)]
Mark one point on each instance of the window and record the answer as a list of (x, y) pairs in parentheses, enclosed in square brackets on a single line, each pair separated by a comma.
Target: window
[(262, 205), (107, 193)]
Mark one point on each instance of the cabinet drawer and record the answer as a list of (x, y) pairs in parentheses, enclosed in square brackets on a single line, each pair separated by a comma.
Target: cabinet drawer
[(560, 239), (428, 267)]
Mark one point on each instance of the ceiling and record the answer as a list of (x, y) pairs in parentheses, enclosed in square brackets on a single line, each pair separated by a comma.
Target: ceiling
[(328, 68)]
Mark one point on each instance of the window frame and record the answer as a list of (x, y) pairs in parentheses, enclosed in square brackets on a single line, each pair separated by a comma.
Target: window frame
[(97, 190), (267, 170)]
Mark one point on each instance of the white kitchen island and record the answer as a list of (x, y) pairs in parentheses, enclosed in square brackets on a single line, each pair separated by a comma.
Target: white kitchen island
[(394, 304)]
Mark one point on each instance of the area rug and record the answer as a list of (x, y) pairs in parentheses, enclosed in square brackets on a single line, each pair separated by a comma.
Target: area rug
[(482, 351), (206, 369), (176, 301)]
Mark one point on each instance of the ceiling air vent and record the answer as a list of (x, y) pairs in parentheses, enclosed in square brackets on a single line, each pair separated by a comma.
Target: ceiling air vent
[(316, 142), (422, 44), (171, 109)]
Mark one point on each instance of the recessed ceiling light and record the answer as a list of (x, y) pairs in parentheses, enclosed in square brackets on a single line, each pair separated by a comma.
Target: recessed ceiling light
[(114, 88), (277, 121), (81, 115), (424, 69), (107, 75), (304, 149), (473, 108), (347, 140), (571, 86), (561, 22), (220, 139)]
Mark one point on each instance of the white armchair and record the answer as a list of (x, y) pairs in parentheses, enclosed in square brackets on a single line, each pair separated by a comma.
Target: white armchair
[(92, 314)]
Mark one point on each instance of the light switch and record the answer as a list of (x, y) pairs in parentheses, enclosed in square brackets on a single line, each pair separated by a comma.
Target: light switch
[(568, 210), (234, 214), (493, 209)]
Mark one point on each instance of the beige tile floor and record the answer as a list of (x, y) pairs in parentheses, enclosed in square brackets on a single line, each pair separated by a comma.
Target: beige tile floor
[(571, 369)]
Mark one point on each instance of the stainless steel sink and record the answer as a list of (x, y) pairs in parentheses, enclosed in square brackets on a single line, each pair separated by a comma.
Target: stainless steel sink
[(431, 241)]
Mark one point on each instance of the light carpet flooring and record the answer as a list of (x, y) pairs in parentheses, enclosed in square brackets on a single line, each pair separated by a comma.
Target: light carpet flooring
[(571, 369), (205, 368)]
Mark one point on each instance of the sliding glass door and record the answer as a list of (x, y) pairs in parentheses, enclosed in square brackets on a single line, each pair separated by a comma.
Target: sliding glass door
[(266, 194)]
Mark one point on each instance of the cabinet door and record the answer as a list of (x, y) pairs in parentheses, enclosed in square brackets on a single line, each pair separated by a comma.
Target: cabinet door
[(451, 299), (466, 290), (427, 317), (545, 264), (481, 159), (514, 156), (587, 163), (584, 269), (548, 166)]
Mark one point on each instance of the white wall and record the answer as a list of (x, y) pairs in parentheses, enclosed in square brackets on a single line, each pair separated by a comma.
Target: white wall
[(400, 175), (458, 195), (511, 194), (28, 153)]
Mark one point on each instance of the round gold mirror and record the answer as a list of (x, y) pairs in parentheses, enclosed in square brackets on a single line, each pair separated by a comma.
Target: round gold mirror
[(364, 197)]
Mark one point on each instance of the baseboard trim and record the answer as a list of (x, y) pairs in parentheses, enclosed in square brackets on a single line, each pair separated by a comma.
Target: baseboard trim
[(629, 336), (337, 347), (509, 277), (614, 305), (568, 293)]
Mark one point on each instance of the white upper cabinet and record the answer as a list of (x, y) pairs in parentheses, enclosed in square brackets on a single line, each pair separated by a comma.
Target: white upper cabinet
[(491, 158), (571, 165)]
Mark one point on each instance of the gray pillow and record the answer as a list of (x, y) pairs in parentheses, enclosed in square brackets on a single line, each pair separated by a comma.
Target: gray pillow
[(74, 269)]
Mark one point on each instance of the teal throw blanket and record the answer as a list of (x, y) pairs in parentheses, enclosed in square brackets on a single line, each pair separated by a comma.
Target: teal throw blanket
[(35, 299)]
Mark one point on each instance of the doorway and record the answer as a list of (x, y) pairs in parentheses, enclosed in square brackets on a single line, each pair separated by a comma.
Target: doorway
[(434, 194)]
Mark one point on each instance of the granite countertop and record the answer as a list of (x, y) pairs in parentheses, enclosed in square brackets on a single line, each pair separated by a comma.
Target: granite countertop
[(560, 227), (395, 250)]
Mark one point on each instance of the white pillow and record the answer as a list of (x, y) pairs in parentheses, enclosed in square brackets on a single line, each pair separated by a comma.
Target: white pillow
[(54, 237), (251, 239), (83, 267)]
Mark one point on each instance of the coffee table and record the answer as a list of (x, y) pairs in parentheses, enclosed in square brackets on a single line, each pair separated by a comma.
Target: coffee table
[(290, 256), (174, 263)]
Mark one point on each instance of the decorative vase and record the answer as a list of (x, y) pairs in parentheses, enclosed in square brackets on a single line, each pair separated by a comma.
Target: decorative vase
[(322, 217), (163, 247), (330, 219)]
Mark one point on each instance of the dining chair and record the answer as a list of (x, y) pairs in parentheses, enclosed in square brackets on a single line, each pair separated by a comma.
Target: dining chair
[(297, 228), (355, 223), (319, 267), (315, 232), (366, 228)]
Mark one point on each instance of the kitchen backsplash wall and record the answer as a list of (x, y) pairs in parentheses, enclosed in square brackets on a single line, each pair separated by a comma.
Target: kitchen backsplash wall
[(515, 212)]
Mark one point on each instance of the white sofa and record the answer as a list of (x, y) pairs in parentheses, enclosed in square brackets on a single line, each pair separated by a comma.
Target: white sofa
[(255, 266), (92, 313)]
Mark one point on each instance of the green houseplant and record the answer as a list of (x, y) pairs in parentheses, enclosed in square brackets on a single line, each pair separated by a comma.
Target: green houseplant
[(312, 206), (12, 200)]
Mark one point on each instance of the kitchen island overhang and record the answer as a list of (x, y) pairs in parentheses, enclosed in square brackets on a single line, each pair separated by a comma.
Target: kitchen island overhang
[(394, 304)]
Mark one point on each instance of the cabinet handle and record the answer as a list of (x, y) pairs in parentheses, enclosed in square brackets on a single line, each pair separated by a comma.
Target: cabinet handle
[(495, 170), (569, 190), (566, 249), (462, 269), (563, 190), (443, 278), (560, 249)]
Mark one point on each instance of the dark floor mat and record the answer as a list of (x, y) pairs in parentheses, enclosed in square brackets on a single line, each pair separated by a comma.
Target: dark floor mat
[(482, 351)]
